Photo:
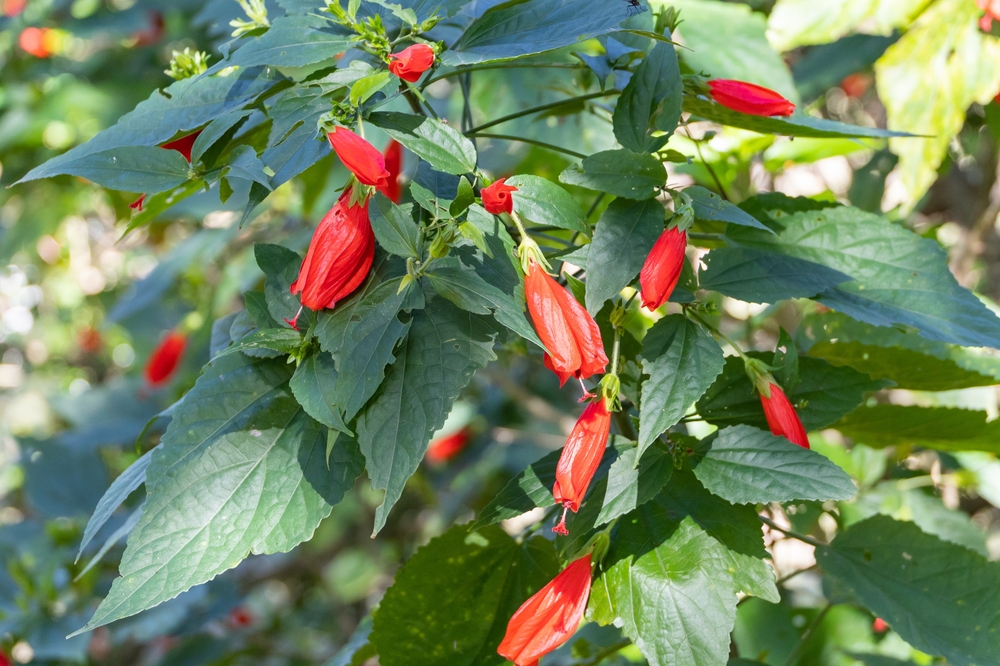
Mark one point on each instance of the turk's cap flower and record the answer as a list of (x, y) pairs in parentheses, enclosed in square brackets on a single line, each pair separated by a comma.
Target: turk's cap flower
[(410, 63), (749, 98), (497, 197), (360, 157)]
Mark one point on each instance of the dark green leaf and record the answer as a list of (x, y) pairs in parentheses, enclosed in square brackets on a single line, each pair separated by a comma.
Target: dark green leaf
[(374, 328), (464, 287), (939, 597), (444, 348), (116, 494), (618, 172), (457, 614), (440, 145), (711, 207), (394, 227), (747, 466), (294, 41), (650, 102), (682, 360), (133, 169), (756, 276), (623, 238), (899, 277), (630, 485), (522, 27), (909, 360), (795, 125), (241, 470), (941, 428), (279, 340), (542, 201), (824, 394), (313, 387), (244, 163), (215, 131), (281, 267)]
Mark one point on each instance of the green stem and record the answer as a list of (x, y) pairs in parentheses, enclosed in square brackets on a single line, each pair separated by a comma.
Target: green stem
[(795, 535), (697, 235), (543, 107), (800, 646), (507, 65), (697, 146), (607, 652), (541, 144), (717, 333), (616, 350)]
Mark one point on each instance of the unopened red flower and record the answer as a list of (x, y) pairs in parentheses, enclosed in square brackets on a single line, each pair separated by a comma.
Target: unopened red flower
[(550, 617), (4, 660), (164, 360), (13, 8), (497, 197), (445, 448), (39, 42), (781, 416), (992, 9), (879, 626), (183, 145), (240, 617), (153, 32), (138, 203), (565, 327), (580, 459), (339, 256), (662, 268), (394, 166), (360, 157), (411, 62), (749, 98)]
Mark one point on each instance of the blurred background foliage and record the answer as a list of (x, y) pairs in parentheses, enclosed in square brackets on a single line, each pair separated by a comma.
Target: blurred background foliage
[(83, 304)]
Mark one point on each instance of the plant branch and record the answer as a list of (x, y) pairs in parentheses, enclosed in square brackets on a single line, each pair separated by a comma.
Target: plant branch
[(787, 532), (800, 646), (534, 142), (606, 652), (715, 177), (543, 107), (503, 65)]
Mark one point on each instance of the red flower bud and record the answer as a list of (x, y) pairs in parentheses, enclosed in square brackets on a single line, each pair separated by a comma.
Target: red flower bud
[(564, 326), (183, 145), (240, 617), (550, 617), (580, 459), (750, 98), (663, 268), (360, 157), (497, 198), (165, 358), (879, 626), (339, 256), (137, 204), (394, 166), (4, 661), (445, 448), (781, 417), (12, 8), (411, 62), (992, 9)]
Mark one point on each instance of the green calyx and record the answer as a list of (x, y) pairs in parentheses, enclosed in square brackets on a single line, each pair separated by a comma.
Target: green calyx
[(760, 375), (610, 388)]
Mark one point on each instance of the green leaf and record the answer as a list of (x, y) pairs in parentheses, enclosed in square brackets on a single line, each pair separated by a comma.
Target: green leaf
[(457, 614), (797, 124), (618, 172), (464, 197), (313, 386), (443, 349), (726, 41), (795, 23), (748, 466), (939, 597), (682, 361), (241, 469), (281, 268), (623, 238), (294, 143), (824, 394), (899, 277), (522, 27), (146, 169), (650, 102), (928, 80), (542, 201), (293, 41), (440, 145), (464, 287), (941, 428), (282, 341), (394, 227), (710, 207), (244, 163), (756, 276), (365, 87), (907, 359), (670, 583), (180, 107), (373, 329), (116, 494)]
